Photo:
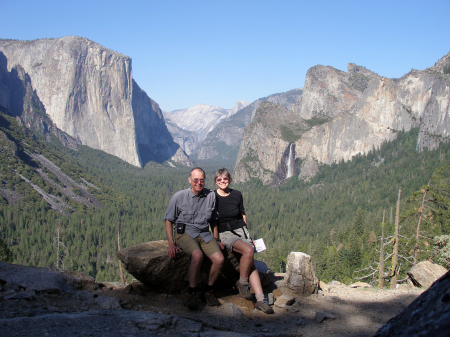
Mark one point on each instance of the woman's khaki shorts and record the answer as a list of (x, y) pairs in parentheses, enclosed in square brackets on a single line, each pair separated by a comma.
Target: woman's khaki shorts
[(189, 244), (229, 238)]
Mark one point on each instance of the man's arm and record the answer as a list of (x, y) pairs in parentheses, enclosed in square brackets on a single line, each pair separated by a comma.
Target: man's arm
[(173, 250)]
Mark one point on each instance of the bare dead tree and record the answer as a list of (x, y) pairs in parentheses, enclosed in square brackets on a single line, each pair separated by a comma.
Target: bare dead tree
[(58, 242), (421, 211), (395, 256), (122, 279), (380, 277)]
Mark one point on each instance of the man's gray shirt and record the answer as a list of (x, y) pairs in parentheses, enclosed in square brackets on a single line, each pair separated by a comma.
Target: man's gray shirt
[(194, 211)]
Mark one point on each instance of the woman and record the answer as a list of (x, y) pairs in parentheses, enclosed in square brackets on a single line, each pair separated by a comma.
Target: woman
[(233, 233)]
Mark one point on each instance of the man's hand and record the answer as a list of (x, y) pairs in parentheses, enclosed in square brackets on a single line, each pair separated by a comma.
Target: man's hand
[(172, 251)]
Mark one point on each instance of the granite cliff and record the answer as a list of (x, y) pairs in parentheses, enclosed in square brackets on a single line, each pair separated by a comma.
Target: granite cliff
[(224, 142), (342, 114), (89, 93)]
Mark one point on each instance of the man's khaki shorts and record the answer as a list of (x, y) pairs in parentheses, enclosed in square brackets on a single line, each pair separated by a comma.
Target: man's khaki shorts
[(189, 244)]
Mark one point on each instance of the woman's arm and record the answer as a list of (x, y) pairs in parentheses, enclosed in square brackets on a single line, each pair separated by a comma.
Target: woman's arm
[(244, 216), (215, 227)]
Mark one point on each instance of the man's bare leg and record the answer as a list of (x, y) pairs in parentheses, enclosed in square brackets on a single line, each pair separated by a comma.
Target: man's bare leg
[(194, 267), (217, 264)]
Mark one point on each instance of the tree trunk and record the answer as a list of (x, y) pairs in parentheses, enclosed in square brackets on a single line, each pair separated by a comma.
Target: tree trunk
[(381, 278), (122, 279), (416, 247), (395, 256)]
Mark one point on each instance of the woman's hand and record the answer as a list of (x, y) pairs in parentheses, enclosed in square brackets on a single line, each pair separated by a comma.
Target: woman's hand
[(220, 243)]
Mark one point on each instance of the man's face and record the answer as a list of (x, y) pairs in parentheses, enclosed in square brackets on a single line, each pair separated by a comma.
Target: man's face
[(197, 181)]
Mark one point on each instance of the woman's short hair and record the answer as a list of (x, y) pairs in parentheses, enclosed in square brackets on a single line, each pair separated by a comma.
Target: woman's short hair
[(223, 172)]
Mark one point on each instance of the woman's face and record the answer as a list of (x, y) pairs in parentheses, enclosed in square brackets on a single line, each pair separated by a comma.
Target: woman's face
[(222, 182)]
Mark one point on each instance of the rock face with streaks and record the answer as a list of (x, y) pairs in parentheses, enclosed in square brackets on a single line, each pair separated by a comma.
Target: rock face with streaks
[(224, 142), (340, 115), (88, 92)]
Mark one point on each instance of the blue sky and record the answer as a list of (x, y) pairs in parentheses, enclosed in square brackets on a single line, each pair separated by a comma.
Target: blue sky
[(218, 52)]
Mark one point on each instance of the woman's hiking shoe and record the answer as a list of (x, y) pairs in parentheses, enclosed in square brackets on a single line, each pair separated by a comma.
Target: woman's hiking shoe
[(211, 299), (264, 307), (192, 302), (244, 290)]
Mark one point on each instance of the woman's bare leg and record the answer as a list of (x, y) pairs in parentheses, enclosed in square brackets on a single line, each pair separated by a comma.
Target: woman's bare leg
[(247, 266)]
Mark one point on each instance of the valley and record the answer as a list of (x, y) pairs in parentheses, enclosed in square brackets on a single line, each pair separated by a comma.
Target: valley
[(319, 167)]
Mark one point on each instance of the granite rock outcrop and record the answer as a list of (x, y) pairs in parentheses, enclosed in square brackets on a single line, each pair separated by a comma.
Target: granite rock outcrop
[(224, 142), (88, 92), (342, 114)]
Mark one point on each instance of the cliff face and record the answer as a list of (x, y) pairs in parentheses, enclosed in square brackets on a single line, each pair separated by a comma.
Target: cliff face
[(225, 140), (264, 146), (345, 114), (187, 140), (88, 92)]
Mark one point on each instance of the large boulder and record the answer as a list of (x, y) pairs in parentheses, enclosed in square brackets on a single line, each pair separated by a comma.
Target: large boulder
[(425, 273), (428, 315), (150, 264), (300, 275)]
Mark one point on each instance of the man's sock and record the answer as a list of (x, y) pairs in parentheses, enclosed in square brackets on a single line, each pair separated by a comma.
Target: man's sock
[(259, 297), (192, 290), (207, 288), (243, 281)]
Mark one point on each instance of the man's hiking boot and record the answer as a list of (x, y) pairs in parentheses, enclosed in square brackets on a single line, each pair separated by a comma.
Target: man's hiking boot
[(244, 290), (211, 299), (192, 301), (264, 307)]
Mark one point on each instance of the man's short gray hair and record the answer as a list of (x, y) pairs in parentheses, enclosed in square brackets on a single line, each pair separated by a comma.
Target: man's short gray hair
[(197, 168)]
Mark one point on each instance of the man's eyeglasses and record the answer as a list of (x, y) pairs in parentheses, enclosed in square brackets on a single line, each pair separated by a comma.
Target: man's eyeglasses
[(221, 179), (196, 181)]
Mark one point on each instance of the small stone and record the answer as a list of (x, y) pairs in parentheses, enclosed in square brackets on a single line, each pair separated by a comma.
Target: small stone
[(321, 316), (277, 293), (284, 300), (270, 298), (126, 304), (360, 285)]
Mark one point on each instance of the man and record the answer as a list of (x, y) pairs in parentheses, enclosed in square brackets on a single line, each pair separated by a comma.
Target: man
[(192, 210)]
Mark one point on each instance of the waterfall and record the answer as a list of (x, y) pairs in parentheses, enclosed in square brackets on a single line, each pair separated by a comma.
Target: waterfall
[(290, 163)]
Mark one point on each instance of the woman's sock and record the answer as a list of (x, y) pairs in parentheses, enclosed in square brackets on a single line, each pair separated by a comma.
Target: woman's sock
[(259, 297), (243, 281)]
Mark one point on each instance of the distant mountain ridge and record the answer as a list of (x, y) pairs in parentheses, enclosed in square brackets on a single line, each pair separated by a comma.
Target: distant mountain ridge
[(224, 141), (202, 118), (342, 114), (89, 93)]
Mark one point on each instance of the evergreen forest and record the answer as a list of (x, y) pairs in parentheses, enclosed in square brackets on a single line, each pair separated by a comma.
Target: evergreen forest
[(340, 218)]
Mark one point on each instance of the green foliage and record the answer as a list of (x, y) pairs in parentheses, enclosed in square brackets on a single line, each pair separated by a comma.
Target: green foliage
[(332, 218), (447, 70), (6, 254), (291, 132), (442, 250), (316, 121)]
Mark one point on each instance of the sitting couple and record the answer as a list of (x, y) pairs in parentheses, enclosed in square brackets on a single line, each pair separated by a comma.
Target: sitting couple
[(193, 211)]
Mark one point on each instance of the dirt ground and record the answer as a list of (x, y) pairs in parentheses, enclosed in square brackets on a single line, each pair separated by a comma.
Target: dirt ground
[(343, 311)]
